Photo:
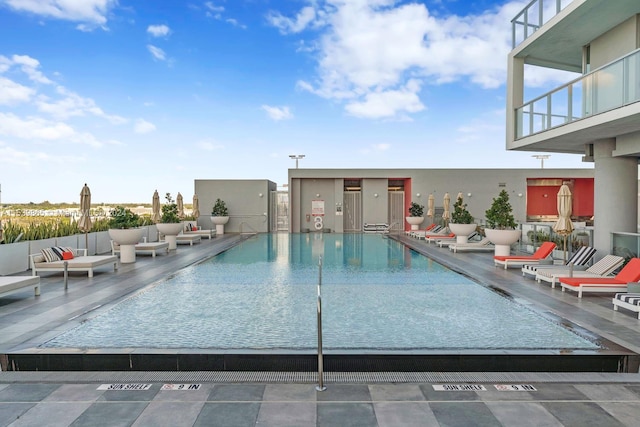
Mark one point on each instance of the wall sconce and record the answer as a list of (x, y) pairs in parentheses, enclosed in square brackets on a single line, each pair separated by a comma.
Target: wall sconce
[(468, 194), (260, 195), (546, 195), (317, 194), (375, 194), (418, 194), (519, 194)]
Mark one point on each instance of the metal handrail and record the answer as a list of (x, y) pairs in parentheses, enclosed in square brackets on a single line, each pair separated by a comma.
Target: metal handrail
[(247, 224), (320, 386)]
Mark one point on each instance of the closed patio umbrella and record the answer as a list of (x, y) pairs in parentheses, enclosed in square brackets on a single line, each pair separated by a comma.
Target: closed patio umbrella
[(564, 226), (155, 207), (446, 204), (196, 207), (431, 203), (84, 224), (180, 203)]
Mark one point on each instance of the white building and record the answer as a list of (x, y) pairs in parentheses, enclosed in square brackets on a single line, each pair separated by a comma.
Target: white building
[(597, 113)]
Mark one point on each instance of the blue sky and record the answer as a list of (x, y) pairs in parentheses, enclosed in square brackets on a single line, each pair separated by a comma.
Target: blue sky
[(133, 96)]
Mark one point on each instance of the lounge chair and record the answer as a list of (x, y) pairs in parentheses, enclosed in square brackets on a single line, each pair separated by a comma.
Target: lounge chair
[(618, 283), (435, 238), (578, 261), (80, 262), (11, 284), (191, 228), (438, 232), (187, 239), (601, 268), (481, 245), (543, 252), (446, 241), (143, 248), (419, 234), (630, 301)]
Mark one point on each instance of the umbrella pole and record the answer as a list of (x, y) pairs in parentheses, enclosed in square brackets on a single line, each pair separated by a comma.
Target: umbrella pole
[(565, 249)]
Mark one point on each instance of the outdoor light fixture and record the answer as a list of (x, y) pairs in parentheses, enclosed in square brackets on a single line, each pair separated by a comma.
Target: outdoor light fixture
[(317, 194), (375, 194), (296, 157), (468, 194), (519, 194), (418, 194), (260, 195)]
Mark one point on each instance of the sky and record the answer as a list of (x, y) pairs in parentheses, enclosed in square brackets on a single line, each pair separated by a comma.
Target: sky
[(133, 96)]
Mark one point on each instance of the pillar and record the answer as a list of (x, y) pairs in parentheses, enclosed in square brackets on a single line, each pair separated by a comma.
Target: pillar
[(615, 194)]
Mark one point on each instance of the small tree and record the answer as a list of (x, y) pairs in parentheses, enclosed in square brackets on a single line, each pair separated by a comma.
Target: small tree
[(169, 211), (460, 213), (499, 215), (122, 217), (219, 208), (415, 209)]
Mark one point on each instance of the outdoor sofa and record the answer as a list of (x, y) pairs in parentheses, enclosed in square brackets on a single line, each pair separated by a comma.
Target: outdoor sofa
[(11, 284), (44, 261)]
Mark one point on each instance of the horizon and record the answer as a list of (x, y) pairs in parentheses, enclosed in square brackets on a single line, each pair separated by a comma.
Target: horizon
[(131, 97)]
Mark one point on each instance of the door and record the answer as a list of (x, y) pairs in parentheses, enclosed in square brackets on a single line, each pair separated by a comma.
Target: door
[(352, 211), (396, 210)]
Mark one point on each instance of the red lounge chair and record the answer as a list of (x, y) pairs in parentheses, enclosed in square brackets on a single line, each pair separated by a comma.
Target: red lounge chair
[(543, 252), (618, 283)]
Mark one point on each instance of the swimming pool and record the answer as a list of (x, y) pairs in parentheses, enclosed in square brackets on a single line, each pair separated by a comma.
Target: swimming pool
[(376, 293)]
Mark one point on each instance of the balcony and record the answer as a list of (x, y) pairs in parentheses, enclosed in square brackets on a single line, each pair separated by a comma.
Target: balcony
[(532, 17), (612, 86)]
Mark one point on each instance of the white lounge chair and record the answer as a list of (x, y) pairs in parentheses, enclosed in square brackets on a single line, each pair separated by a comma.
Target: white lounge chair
[(480, 246), (630, 301), (601, 268), (11, 284), (143, 248), (578, 261)]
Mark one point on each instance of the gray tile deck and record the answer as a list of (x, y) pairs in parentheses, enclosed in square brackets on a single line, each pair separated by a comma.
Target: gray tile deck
[(401, 399)]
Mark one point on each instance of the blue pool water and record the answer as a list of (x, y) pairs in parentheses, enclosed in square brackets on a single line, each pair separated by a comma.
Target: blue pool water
[(376, 295)]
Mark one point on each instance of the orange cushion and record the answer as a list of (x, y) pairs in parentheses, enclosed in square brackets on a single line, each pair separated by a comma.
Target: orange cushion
[(630, 272), (514, 257), (577, 281), (67, 255)]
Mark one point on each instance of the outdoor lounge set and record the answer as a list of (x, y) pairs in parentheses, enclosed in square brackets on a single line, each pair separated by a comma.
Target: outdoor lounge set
[(54, 259)]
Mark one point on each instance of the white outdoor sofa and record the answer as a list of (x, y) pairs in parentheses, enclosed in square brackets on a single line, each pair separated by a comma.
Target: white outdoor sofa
[(11, 284), (187, 239), (81, 262)]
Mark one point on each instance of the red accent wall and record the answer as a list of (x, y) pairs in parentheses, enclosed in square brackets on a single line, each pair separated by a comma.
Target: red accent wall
[(407, 201), (582, 191)]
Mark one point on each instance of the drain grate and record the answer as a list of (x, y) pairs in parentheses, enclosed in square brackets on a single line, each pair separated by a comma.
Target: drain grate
[(312, 377)]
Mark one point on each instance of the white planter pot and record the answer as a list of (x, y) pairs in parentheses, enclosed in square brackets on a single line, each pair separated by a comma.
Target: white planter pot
[(502, 239), (462, 231), (170, 232), (127, 239), (219, 221), (415, 221)]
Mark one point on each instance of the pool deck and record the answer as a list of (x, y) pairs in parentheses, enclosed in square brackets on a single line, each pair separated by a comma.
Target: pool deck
[(289, 398)]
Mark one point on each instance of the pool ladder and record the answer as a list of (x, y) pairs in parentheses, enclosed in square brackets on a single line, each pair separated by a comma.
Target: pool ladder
[(320, 386)]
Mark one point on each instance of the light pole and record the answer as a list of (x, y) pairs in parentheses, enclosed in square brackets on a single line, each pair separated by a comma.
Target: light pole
[(296, 157), (542, 158)]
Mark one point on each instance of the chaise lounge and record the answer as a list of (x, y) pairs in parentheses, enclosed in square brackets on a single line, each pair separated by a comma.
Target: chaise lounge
[(543, 252), (143, 248), (44, 261), (578, 261), (11, 284), (629, 273), (630, 301), (481, 245), (601, 268)]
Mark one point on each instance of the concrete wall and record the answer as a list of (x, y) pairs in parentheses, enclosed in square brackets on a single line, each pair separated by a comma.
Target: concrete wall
[(479, 187), (615, 43), (247, 201)]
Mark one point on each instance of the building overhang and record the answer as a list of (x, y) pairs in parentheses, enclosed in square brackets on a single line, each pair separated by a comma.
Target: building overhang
[(564, 35)]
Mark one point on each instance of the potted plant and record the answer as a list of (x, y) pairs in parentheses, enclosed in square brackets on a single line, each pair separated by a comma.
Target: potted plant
[(415, 217), (219, 215), (170, 224), (501, 224), (124, 230), (461, 223)]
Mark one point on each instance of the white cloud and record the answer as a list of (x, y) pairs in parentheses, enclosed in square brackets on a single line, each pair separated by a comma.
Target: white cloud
[(12, 92), (30, 67), (39, 129), (158, 30), (278, 113), (142, 126), (157, 52), (367, 51), (213, 8), (287, 25), (209, 145), (90, 12), (73, 105)]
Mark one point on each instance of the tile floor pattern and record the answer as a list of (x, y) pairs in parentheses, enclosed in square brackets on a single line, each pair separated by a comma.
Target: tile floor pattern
[(341, 405)]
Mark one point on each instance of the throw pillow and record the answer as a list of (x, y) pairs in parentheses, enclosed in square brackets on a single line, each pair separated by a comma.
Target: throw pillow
[(67, 255)]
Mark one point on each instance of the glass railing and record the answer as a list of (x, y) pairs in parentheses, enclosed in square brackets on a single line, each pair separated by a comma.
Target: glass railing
[(626, 245), (534, 234), (532, 17), (609, 87)]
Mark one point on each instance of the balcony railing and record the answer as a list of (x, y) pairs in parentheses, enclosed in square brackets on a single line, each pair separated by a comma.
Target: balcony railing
[(532, 17), (612, 86)]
